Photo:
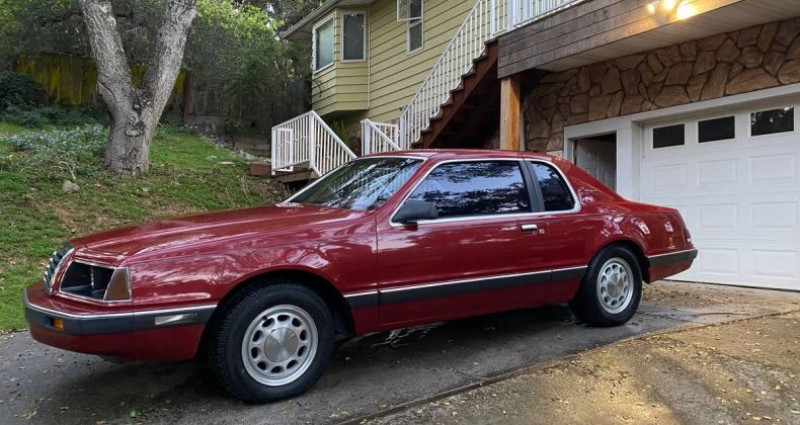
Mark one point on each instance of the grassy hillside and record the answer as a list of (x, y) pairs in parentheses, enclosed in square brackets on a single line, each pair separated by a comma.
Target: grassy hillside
[(188, 175)]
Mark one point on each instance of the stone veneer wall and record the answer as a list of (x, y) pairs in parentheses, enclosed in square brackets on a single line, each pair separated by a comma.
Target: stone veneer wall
[(726, 64)]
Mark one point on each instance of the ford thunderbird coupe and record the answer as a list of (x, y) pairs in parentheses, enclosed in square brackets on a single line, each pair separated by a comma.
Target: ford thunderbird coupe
[(383, 242)]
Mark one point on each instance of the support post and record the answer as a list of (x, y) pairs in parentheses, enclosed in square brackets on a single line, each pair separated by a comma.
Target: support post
[(510, 113)]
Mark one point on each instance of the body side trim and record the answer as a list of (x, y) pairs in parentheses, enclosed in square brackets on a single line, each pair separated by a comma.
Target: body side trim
[(459, 287), (672, 257)]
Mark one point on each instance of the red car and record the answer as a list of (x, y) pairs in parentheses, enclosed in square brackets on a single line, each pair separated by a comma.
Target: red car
[(381, 243)]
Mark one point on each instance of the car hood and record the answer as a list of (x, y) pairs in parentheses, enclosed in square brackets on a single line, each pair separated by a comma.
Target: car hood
[(277, 224)]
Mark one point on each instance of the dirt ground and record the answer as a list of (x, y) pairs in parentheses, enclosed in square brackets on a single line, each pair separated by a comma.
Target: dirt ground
[(740, 372)]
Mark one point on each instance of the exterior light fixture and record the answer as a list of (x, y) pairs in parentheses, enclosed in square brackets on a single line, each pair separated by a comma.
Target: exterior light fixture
[(686, 10)]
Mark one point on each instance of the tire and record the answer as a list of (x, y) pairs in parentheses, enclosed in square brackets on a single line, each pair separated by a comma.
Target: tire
[(272, 342), (611, 289)]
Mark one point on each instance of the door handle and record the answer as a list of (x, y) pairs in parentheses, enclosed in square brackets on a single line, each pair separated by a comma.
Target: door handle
[(529, 228)]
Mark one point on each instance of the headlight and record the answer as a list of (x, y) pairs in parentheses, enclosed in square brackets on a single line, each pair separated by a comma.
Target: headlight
[(54, 265), (97, 282)]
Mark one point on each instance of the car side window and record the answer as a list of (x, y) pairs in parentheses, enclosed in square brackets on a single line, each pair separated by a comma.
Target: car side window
[(555, 192), (465, 189)]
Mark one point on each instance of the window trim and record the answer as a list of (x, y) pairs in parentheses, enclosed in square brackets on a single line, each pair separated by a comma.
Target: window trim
[(754, 111), (530, 185), (341, 36), (414, 22), (330, 18)]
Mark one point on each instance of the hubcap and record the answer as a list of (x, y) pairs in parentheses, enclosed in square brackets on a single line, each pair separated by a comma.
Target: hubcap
[(615, 285), (279, 345)]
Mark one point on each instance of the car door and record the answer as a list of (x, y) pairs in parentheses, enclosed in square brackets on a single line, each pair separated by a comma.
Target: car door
[(482, 254), (568, 228)]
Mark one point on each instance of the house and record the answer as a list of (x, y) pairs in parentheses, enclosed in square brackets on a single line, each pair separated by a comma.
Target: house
[(684, 103)]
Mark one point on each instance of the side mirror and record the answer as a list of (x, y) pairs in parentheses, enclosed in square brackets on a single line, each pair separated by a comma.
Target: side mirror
[(414, 211)]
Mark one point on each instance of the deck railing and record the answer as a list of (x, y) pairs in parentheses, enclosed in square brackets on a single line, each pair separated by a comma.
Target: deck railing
[(307, 139), (378, 137), (487, 20)]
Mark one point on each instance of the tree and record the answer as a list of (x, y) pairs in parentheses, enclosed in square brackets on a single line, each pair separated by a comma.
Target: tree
[(134, 112), (288, 11)]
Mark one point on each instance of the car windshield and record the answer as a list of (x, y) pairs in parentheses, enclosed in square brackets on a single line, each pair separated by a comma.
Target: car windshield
[(363, 184)]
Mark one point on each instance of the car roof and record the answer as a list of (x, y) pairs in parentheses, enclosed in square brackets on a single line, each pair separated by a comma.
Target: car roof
[(448, 154)]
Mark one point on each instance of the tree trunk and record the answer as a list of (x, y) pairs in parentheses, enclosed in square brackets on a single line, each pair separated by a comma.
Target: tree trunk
[(135, 111)]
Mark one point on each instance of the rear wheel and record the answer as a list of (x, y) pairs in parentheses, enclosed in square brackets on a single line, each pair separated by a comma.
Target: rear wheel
[(611, 289), (274, 342)]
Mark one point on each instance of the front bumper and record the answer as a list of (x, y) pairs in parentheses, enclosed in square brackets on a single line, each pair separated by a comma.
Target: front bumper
[(129, 335)]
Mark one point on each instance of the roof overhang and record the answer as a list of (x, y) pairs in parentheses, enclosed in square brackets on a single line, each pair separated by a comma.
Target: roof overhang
[(597, 30), (301, 31)]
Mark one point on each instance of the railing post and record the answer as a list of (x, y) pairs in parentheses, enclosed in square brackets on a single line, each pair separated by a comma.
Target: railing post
[(312, 142), (365, 138), (273, 143), (492, 17)]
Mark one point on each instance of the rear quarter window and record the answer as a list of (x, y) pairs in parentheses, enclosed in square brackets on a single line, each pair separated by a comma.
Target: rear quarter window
[(556, 195)]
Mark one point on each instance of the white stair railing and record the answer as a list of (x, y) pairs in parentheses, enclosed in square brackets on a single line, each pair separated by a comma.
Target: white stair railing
[(487, 20), (378, 137), (307, 139)]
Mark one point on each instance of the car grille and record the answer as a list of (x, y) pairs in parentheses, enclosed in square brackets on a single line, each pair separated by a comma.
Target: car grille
[(52, 265)]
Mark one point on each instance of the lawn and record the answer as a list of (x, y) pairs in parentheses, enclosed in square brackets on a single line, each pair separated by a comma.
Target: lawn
[(188, 175)]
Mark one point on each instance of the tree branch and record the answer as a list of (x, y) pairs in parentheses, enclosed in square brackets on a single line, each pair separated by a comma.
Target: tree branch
[(165, 65), (113, 74)]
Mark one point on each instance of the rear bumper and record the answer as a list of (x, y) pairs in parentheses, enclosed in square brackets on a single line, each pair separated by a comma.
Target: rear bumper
[(147, 335), (668, 264)]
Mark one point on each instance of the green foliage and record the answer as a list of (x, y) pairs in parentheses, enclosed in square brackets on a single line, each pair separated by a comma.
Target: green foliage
[(188, 175), (249, 68), (233, 49), (75, 152), (19, 90), (31, 26), (53, 115)]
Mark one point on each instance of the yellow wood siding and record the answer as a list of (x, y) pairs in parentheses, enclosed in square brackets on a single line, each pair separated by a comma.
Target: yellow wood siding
[(395, 76), (385, 83), (344, 86)]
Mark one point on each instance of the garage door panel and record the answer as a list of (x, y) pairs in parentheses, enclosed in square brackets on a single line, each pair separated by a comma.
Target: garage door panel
[(771, 264), (717, 173), (669, 177), (740, 199)]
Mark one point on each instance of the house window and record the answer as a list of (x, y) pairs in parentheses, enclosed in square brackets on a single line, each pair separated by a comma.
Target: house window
[(323, 44), (354, 35), (414, 27), (716, 129), (773, 121), (664, 137)]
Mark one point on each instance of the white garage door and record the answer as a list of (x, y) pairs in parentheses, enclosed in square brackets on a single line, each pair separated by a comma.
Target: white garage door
[(735, 177)]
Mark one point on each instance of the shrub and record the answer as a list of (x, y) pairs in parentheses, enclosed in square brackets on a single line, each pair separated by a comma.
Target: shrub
[(19, 90), (54, 115), (75, 152)]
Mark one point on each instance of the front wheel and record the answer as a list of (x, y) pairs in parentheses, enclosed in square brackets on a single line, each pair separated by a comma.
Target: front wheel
[(273, 343), (610, 292)]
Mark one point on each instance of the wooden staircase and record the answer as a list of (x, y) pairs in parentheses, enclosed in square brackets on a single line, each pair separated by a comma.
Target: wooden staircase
[(471, 115)]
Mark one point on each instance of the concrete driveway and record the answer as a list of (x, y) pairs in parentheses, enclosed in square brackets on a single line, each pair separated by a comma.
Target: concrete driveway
[(369, 376)]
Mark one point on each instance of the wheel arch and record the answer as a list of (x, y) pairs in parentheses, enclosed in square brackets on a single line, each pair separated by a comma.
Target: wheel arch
[(644, 263), (340, 309)]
